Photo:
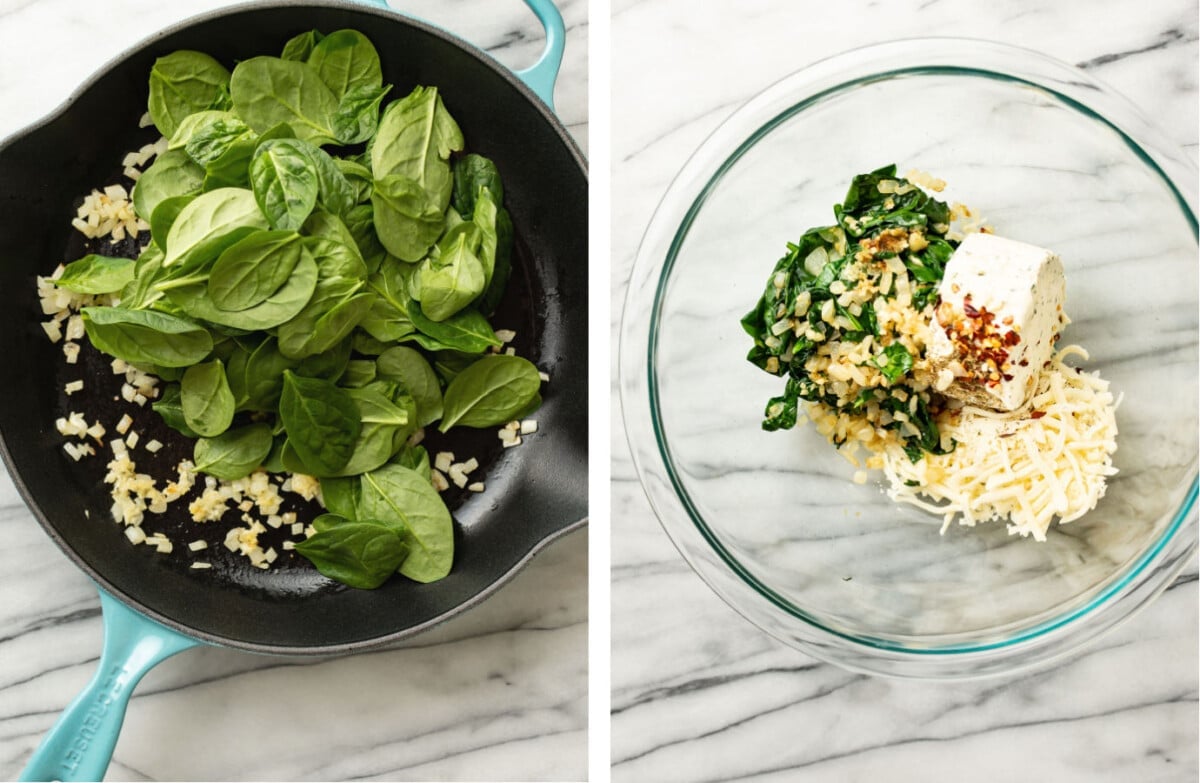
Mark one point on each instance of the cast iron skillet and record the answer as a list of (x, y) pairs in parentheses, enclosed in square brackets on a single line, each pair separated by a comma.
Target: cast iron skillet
[(153, 605)]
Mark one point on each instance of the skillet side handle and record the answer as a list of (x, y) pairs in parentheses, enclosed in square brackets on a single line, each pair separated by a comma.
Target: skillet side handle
[(80, 745), (541, 76)]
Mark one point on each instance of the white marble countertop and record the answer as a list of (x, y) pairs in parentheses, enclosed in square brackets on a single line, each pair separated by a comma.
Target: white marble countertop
[(698, 693), (508, 678)]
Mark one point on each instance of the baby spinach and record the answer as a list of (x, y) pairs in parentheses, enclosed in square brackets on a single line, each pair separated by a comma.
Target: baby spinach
[(472, 172), (321, 420), (456, 278), (145, 336), (396, 493), (415, 458), (494, 390), (172, 174), (234, 453), (299, 47), (212, 139), (328, 319), (388, 320), (211, 223), (206, 399), (388, 417), (359, 372), (357, 116), (342, 496), (502, 267), (346, 60), (249, 271), (467, 331), (360, 554), (263, 376), (407, 220), (409, 367), (285, 182), (278, 308), (334, 191), (165, 215), (182, 83), (168, 406), (267, 91), (94, 274), (280, 280), (415, 138)]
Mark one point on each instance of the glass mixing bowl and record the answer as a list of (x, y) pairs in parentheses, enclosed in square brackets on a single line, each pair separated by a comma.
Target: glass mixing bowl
[(772, 520)]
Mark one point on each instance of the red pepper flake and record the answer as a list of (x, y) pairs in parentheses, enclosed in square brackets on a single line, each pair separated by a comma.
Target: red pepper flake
[(981, 344), (1037, 414)]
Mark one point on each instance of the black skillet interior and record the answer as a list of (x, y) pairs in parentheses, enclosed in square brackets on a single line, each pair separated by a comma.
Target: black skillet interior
[(534, 492)]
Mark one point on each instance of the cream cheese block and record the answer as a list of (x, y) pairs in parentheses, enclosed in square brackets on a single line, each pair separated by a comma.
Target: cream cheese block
[(999, 314)]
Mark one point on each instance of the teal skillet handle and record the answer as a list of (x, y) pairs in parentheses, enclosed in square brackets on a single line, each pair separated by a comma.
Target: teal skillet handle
[(540, 76), (80, 745)]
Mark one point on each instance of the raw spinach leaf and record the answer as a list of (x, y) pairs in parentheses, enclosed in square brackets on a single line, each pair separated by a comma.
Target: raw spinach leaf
[(207, 400), (472, 172), (139, 292), (455, 278), (321, 420), (502, 268), (359, 372), (346, 60), (388, 320), (360, 554), (232, 168), (342, 495), (267, 91), (415, 138), (278, 308), (407, 220), (360, 222), (362, 182), (209, 224), (144, 336), (95, 274), (396, 493), (164, 216), (285, 182), (248, 272), (388, 417), (234, 453), (182, 83), (172, 174), (467, 331), (299, 47), (409, 367), (415, 458), (334, 191), (170, 409), (263, 376), (212, 139), (494, 390), (357, 117)]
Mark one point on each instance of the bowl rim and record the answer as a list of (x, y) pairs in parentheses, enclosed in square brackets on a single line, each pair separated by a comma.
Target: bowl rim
[(1039, 642)]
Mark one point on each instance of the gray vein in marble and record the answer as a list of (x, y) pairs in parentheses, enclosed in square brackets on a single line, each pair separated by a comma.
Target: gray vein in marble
[(858, 751), (1167, 38), (822, 692)]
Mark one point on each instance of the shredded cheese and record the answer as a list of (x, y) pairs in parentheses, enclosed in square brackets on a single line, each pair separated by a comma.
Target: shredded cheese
[(1049, 459)]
